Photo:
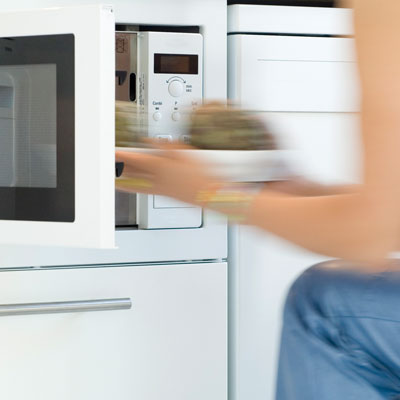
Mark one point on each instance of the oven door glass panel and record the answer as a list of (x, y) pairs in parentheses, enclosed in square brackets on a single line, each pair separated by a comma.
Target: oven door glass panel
[(57, 69), (37, 182)]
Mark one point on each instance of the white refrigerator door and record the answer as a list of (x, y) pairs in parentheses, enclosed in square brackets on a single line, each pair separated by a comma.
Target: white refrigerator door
[(92, 121)]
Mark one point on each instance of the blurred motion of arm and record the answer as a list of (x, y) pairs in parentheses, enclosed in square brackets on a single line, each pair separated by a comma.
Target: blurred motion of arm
[(361, 222)]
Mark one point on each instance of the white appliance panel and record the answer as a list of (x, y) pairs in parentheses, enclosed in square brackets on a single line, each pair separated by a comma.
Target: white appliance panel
[(283, 73), (93, 28), (263, 266), (171, 76), (170, 82), (295, 20), (326, 146), (261, 269), (171, 344), (307, 90), (210, 15), (132, 246)]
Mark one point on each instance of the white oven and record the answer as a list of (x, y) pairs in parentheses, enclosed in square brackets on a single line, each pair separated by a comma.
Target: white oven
[(59, 69)]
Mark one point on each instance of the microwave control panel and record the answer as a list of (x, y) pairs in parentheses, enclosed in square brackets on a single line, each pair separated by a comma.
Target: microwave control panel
[(161, 73), (169, 80)]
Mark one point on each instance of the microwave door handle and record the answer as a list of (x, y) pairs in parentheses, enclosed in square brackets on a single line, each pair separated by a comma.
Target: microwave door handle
[(119, 169), (65, 307)]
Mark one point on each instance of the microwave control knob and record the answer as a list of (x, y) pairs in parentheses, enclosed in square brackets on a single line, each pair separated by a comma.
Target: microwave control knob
[(175, 88)]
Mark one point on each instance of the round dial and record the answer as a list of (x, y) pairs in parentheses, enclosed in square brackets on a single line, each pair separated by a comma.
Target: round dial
[(175, 88)]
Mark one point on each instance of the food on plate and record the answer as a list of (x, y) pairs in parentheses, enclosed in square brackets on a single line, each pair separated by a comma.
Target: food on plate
[(127, 125), (218, 127)]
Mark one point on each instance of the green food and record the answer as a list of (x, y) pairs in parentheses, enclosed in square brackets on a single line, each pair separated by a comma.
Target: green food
[(217, 127), (213, 126), (127, 125)]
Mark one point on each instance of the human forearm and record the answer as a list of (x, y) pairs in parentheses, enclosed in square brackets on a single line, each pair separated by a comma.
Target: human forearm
[(365, 222), (299, 186), (350, 226)]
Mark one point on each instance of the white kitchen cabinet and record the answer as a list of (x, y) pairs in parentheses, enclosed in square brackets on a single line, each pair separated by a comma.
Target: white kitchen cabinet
[(264, 266), (170, 345), (295, 68)]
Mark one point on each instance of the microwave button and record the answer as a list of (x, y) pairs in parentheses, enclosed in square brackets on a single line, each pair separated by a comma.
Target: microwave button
[(157, 116), (175, 88), (176, 116)]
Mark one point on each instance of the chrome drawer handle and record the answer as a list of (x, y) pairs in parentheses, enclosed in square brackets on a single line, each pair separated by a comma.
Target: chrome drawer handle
[(65, 307)]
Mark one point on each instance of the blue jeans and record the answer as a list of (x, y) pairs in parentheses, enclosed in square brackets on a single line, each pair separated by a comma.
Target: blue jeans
[(341, 336)]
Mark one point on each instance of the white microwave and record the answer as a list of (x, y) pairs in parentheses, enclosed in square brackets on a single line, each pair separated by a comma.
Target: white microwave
[(57, 177), (57, 114)]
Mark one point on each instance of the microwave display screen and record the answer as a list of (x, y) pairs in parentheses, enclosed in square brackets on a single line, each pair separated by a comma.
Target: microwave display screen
[(176, 64)]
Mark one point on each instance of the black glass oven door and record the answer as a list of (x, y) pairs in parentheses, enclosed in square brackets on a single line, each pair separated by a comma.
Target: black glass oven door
[(37, 132)]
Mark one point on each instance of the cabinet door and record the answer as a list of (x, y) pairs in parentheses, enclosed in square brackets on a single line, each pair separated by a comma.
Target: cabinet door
[(326, 146), (293, 74), (170, 345), (57, 127), (262, 269)]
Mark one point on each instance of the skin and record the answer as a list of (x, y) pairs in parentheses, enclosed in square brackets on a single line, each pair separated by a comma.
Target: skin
[(359, 223)]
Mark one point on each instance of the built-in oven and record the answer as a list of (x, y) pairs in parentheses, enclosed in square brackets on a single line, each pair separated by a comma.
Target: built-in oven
[(61, 71)]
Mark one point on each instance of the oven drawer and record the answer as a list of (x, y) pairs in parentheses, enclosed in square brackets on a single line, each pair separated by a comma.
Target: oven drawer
[(170, 344)]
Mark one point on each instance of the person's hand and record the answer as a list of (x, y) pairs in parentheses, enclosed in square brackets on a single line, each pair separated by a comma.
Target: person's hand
[(170, 172)]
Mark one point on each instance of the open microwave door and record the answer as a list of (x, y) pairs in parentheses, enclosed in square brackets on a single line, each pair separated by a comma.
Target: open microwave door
[(57, 127)]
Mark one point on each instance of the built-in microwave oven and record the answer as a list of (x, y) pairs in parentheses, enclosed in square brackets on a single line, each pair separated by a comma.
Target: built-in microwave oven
[(161, 72), (57, 122), (57, 119)]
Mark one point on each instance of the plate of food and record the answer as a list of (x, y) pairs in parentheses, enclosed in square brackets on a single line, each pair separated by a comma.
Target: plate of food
[(235, 144), (236, 165)]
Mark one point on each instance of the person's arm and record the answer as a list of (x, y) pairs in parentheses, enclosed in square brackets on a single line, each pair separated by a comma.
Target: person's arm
[(363, 224), (360, 222), (299, 186)]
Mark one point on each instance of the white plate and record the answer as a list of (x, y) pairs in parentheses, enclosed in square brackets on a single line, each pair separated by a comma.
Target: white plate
[(238, 165)]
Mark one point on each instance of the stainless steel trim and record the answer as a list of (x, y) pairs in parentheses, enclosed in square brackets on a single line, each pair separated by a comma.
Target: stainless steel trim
[(65, 307)]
